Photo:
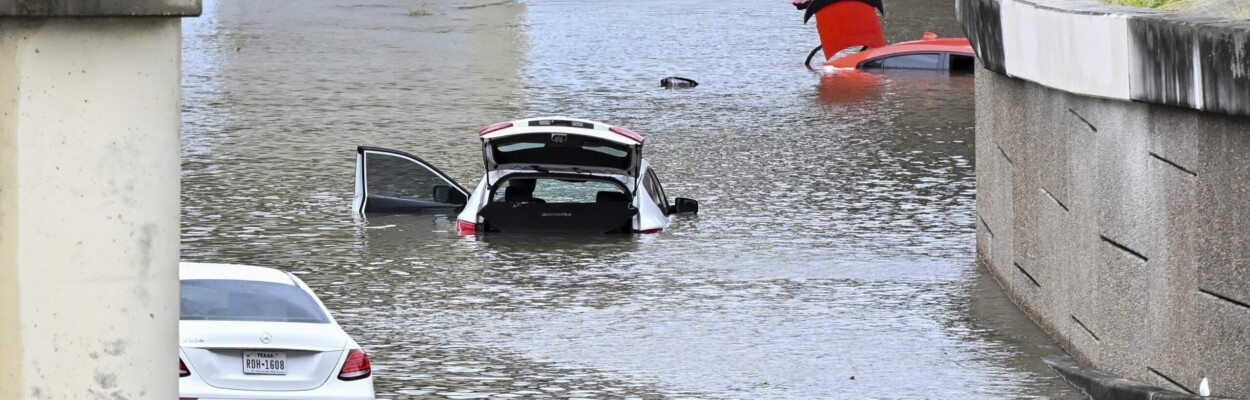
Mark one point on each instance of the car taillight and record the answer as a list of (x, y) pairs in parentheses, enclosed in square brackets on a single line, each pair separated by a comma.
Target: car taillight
[(494, 127), (465, 226), (626, 133), (356, 367), (182, 369)]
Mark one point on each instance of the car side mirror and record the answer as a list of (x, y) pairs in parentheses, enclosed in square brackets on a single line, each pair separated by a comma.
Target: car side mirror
[(682, 205), (444, 194)]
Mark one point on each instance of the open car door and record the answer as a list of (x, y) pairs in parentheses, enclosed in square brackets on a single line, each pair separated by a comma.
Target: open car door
[(395, 182)]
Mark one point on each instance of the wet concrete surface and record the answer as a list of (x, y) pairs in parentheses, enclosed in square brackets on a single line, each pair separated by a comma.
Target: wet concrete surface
[(833, 256)]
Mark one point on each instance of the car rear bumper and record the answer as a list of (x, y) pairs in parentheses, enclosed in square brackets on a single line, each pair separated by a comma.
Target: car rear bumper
[(271, 398), (296, 397), (190, 388)]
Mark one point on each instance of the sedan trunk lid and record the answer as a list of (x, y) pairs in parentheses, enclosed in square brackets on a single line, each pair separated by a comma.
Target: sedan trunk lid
[(217, 351)]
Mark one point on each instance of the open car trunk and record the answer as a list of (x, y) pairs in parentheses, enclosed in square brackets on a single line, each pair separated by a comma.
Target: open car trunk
[(613, 217), (558, 203)]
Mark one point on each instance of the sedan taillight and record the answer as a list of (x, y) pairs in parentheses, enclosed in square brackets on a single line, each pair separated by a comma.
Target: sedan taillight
[(182, 369), (356, 367)]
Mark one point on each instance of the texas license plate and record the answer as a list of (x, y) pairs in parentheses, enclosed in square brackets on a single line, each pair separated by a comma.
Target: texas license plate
[(264, 362)]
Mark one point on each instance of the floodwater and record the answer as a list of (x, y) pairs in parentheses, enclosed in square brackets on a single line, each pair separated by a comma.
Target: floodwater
[(833, 256)]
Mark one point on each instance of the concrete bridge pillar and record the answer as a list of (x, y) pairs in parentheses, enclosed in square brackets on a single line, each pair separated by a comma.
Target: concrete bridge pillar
[(89, 197)]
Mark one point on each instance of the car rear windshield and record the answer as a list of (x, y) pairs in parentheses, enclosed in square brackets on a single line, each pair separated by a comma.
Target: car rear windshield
[(236, 300), (559, 190)]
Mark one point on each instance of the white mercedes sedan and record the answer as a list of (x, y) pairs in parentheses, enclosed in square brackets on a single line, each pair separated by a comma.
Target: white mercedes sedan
[(259, 333)]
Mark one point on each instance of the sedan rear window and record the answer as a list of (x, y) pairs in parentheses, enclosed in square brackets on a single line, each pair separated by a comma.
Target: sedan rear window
[(235, 300)]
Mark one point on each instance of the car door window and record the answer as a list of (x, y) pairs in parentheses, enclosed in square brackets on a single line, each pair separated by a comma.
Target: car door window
[(913, 61), (655, 190), (392, 176)]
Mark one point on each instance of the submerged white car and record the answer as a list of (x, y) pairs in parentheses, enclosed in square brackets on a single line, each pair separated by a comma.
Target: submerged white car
[(551, 175), (258, 333)]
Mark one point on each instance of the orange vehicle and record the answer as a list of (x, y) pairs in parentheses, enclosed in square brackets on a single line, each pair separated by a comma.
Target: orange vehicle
[(848, 24), (928, 53)]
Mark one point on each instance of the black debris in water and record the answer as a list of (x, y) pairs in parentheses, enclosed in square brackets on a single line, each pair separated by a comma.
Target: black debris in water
[(674, 82)]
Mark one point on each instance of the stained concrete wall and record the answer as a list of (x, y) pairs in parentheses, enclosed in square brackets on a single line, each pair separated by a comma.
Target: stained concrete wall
[(89, 194), (1091, 48), (99, 8), (1121, 227)]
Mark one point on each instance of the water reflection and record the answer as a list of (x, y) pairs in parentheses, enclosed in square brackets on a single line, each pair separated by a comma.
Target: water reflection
[(851, 88), (834, 241)]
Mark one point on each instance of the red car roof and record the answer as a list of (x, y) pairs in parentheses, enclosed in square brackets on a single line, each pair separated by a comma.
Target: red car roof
[(930, 44)]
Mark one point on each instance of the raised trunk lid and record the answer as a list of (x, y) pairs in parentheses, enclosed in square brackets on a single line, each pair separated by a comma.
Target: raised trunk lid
[(560, 149)]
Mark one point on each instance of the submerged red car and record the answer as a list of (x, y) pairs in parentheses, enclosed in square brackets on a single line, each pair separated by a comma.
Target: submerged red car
[(929, 53), (852, 24)]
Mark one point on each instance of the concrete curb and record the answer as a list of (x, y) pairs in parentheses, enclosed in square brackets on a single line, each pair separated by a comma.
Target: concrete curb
[(1100, 385)]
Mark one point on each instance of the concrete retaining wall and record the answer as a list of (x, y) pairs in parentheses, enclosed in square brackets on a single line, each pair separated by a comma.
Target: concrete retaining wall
[(1090, 48), (1113, 173)]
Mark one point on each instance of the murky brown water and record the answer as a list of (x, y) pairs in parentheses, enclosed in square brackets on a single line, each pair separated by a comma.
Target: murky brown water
[(833, 257)]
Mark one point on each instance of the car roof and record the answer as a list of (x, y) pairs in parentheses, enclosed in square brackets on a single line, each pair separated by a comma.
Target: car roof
[(601, 130), (193, 271)]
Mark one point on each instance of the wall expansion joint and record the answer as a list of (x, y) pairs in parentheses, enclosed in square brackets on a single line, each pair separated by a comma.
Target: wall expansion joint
[(1027, 275), (1173, 164), (1125, 249), (1224, 298), (986, 225), (1092, 128), (1055, 199), (1004, 153), (1169, 379), (1086, 328)]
